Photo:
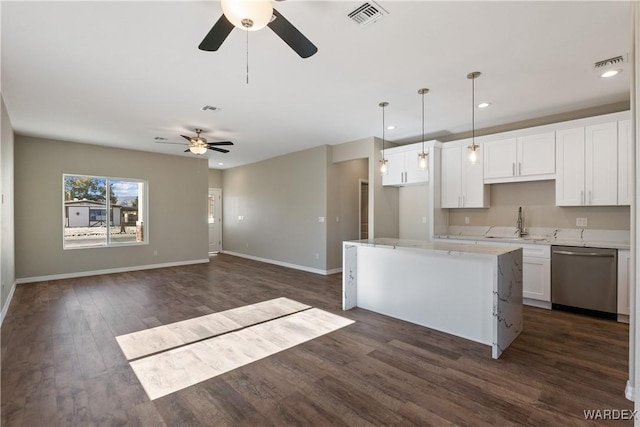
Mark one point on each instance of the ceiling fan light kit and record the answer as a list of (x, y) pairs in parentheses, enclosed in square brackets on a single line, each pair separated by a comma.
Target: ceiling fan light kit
[(249, 15), (197, 144)]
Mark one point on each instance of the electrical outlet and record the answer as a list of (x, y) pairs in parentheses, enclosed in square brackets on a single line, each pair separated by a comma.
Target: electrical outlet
[(424, 219), (466, 220), (581, 222), (320, 219), (155, 253)]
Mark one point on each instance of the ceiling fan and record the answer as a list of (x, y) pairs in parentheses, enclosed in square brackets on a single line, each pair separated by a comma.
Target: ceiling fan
[(198, 144), (253, 15)]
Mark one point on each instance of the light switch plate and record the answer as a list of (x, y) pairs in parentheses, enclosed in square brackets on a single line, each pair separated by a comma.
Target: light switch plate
[(581, 222), (321, 219)]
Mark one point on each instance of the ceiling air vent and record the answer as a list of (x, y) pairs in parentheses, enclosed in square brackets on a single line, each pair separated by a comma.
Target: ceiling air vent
[(368, 13), (611, 62)]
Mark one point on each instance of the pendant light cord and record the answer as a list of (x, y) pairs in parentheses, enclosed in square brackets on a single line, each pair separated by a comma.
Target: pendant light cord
[(422, 121), (473, 111)]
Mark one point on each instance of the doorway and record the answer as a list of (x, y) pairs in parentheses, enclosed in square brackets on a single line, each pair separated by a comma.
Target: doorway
[(214, 216), (363, 211)]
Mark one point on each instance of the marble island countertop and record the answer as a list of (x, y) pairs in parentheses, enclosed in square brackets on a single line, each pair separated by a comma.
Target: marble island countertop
[(437, 246), (614, 239)]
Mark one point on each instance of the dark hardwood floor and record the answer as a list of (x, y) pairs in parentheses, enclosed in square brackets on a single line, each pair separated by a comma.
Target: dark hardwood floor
[(61, 365)]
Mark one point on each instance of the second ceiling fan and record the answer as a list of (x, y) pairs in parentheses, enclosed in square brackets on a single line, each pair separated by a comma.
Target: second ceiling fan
[(252, 15)]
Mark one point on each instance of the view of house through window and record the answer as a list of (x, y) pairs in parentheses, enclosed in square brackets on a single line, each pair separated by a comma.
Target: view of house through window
[(102, 211)]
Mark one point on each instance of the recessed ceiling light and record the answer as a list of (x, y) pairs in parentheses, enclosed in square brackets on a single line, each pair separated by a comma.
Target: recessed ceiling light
[(220, 164), (610, 73), (391, 127), (484, 104)]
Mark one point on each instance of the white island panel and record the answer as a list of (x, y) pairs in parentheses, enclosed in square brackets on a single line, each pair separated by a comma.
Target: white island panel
[(418, 287)]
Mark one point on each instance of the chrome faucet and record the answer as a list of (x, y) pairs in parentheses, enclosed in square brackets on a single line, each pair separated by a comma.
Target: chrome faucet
[(520, 230)]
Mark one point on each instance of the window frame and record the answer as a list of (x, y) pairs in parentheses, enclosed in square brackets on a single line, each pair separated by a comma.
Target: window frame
[(144, 218)]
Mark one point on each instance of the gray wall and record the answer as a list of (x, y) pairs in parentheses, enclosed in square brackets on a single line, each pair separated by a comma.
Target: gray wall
[(280, 201), (537, 199), (177, 192), (215, 178), (414, 207), (7, 236), (343, 206)]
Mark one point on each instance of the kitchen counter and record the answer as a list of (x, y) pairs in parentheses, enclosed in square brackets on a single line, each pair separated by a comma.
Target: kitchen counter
[(473, 291), (613, 239)]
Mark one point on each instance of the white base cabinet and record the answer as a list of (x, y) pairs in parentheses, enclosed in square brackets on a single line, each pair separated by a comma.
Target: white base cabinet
[(624, 284), (536, 278)]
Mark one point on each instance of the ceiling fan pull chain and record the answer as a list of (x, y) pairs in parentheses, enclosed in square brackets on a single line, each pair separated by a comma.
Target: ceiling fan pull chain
[(247, 57)]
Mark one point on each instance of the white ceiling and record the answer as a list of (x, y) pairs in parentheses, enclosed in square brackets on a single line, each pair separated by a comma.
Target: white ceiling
[(121, 73)]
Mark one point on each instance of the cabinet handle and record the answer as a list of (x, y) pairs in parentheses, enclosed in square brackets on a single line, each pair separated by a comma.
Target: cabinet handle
[(513, 169), (463, 201), (519, 168), (581, 197), (589, 196), (406, 177), (459, 202)]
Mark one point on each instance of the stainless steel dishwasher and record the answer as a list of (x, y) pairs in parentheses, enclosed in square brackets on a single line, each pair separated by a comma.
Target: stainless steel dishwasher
[(584, 280)]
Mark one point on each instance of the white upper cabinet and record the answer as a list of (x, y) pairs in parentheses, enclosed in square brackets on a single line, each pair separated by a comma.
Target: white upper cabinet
[(403, 168), (522, 158), (462, 185), (625, 162), (601, 164), (587, 160)]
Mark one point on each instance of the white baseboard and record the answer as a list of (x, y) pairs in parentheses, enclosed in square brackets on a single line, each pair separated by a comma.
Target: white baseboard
[(536, 303), (5, 308), (108, 271), (628, 391), (285, 264)]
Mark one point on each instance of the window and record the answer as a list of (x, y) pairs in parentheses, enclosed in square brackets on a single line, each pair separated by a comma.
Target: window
[(102, 211)]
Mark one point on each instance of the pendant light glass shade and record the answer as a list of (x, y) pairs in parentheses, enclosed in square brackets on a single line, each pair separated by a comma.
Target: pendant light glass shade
[(473, 148), (384, 164), (423, 160), (248, 15)]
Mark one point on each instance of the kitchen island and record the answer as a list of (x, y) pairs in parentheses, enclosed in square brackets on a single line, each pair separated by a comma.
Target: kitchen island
[(470, 291)]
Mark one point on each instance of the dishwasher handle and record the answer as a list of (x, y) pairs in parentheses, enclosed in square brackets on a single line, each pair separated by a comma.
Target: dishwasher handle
[(594, 254)]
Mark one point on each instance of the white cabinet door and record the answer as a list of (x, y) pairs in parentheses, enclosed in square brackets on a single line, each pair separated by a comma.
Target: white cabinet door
[(570, 167), (414, 175), (451, 178), (475, 194), (601, 164), (536, 278), (623, 282), (536, 154), (500, 158), (395, 169), (625, 162)]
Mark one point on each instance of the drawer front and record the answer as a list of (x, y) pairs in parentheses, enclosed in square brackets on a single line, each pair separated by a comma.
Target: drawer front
[(536, 251)]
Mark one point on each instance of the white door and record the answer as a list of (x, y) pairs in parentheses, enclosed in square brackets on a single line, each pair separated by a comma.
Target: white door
[(214, 216), (415, 175)]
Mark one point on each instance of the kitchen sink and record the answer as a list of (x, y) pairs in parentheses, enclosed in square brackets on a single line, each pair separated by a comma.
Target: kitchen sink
[(516, 239)]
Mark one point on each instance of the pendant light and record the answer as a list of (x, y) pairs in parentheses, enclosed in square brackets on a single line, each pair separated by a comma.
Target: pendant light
[(423, 156), (473, 148), (383, 163)]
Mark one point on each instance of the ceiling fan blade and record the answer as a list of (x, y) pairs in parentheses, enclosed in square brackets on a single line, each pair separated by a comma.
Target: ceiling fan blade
[(187, 150), (218, 33), (220, 143), (187, 138), (221, 150), (291, 36), (169, 142)]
